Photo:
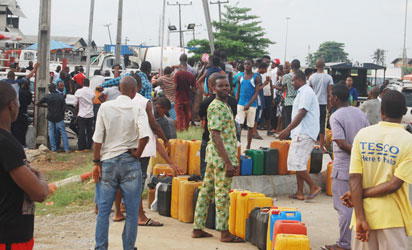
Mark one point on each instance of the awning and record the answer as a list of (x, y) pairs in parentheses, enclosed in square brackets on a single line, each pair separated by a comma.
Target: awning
[(16, 11), (54, 45)]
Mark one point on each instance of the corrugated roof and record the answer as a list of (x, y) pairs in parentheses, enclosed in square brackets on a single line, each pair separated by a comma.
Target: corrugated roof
[(29, 39)]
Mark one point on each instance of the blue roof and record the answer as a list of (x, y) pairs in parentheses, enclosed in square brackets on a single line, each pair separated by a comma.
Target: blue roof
[(54, 45)]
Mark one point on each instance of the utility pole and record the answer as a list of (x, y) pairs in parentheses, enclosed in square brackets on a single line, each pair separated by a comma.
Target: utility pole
[(286, 37), (404, 54), (219, 3), (209, 25), (119, 32), (89, 41), (126, 40), (42, 75), (162, 36), (108, 31), (180, 19)]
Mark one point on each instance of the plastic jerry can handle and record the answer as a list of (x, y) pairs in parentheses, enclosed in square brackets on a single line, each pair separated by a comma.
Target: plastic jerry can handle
[(290, 213), (243, 194), (275, 212)]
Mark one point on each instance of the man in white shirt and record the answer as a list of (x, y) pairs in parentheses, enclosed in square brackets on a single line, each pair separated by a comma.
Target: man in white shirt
[(304, 130), (322, 86), (96, 80), (119, 141), (85, 114)]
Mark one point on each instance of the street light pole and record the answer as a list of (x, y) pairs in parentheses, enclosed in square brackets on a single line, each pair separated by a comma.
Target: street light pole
[(162, 36), (404, 54), (180, 19), (108, 31), (286, 38), (42, 75), (89, 41), (219, 4), (119, 32)]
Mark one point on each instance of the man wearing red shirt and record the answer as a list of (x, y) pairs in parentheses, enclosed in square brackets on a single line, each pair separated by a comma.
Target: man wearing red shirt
[(185, 83), (79, 78)]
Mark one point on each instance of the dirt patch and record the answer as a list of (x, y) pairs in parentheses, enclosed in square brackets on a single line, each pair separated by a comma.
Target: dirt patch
[(51, 161)]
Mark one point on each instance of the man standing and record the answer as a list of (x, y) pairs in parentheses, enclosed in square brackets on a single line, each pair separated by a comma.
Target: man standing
[(184, 66), (84, 97), (221, 157), (56, 106), (231, 101), (304, 130), (119, 141), (291, 92), (380, 174), (57, 73), (322, 85), (353, 93), (372, 106), (20, 185), (345, 123), (247, 94), (185, 83)]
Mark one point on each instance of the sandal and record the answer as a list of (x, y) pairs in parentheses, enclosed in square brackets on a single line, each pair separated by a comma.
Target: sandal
[(313, 196), (151, 223), (119, 219), (233, 239)]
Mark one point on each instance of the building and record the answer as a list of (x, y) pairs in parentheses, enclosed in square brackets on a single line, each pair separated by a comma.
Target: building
[(10, 14), (398, 62)]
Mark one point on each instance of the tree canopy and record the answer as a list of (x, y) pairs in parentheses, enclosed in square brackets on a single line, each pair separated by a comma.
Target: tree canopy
[(330, 51), (239, 34), (379, 57)]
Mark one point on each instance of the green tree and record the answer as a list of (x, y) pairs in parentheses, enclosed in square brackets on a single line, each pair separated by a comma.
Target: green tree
[(379, 57), (330, 51), (239, 34)]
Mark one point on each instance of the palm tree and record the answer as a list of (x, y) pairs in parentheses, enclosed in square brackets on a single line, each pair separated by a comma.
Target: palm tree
[(378, 57)]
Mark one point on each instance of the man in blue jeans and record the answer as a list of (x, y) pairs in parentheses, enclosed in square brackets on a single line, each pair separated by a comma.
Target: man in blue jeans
[(56, 106), (119, 140)]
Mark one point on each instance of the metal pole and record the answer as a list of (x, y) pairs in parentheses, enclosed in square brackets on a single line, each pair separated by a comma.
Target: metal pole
[(162, 36), (108, 31), (219, 3), (180, 26), (209, 25), (404, 56), (119, 32), (286, 39), (42, 76), (89, 41)]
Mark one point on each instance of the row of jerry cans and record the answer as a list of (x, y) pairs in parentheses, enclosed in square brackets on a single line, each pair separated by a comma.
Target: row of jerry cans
[(277, 228), (185, 154), (314, 163), (259, 162)]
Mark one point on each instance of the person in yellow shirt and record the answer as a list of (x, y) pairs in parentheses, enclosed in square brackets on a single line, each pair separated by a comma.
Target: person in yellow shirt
[(380, 174)]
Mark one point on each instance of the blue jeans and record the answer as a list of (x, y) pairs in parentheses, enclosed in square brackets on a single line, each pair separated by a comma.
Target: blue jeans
[(121, 172), (58, 128)]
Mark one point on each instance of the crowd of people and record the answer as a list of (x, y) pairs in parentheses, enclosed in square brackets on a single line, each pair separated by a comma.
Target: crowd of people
[(130, 117)]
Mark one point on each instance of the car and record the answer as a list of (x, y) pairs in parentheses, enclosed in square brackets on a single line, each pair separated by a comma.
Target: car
[(407, 118)]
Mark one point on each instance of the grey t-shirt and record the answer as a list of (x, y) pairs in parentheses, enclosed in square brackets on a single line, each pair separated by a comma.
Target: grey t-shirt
[(320, 82), (345, 124), (372, 109)]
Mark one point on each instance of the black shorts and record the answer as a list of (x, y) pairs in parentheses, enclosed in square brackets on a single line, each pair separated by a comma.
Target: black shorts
[(322, 118)]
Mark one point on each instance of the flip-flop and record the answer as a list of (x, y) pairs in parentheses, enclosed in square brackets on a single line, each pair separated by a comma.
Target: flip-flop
[(295, 197), (233, 239), (151, 223), (313, 196), (119, 219)]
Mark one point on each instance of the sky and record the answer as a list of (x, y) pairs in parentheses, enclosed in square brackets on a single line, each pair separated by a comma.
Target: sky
[(363, 26)]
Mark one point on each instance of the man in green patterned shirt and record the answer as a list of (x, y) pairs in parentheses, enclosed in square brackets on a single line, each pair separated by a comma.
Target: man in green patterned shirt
[(222, 161)]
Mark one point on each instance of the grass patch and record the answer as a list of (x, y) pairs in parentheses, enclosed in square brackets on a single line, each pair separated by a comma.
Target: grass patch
[(71, 198), (58, 175), (193, 133)]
